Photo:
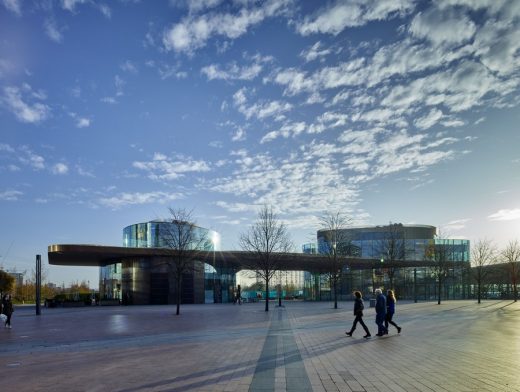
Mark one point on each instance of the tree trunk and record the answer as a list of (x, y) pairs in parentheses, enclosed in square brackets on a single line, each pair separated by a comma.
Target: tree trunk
[(335, 284), (479, 291), (178, 294), (267, 295), (439, 291), (515, 291)]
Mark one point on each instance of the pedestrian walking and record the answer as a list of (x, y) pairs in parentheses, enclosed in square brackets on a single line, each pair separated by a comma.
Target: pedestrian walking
[(358, 312), (390, 310), (238, 297), (7, 309), (380, 312)]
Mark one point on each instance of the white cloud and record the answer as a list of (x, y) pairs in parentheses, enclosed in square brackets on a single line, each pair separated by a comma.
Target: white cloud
[(83, 172), (6, 148), (295, 184), (83, 122), (60, 168), (289, 129), (14, 6), (52, 31), (497, 44), (105, 10), (27, 157), (129, 66), (262, 109), (455, 225), (166, 169), (119, 84), (200, 5), (109, 100), (193, 32), (10, 195), (458, 89), (125, 199), (429, 120), (505, 215), (34, 112), (70, 5), (314, 52), (334, 18), (442, 27), (239, 135), (233, 72)]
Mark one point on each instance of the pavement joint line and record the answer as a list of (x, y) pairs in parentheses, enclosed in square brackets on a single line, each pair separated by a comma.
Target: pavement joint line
[(280, 340)]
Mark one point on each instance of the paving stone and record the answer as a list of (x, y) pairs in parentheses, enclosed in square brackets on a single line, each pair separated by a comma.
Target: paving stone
[(457, 346)]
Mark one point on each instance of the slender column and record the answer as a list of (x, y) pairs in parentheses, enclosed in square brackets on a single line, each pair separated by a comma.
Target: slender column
[(415, 285), (38, 284)]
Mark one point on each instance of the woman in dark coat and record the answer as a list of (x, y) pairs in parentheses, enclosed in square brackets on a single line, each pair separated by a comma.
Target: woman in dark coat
[(358, 312), (7, 309), (390, 310)]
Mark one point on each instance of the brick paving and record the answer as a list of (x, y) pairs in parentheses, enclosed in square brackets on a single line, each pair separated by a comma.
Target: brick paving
[(302, 346)]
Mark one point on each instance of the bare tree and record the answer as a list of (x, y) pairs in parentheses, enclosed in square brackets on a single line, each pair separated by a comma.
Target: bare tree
[(483, 256), (267, 239), (441, 252), (511, 256), (335, 243), (392, 247), (184, 239)]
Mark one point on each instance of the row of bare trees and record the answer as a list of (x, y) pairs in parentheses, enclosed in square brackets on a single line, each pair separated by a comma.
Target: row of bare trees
[(486, 258), (267, 239)]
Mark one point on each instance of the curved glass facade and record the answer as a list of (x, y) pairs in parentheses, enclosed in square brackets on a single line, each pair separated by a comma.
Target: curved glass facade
[(146, 281), (380, 242)]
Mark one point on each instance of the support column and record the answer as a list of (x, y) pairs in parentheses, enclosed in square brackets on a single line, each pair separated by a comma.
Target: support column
[(38, 284), (415, 285)]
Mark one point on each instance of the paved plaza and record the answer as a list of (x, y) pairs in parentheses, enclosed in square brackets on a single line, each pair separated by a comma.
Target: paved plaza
[(302, 346)]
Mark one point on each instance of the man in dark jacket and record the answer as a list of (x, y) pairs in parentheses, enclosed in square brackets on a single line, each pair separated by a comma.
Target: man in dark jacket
[(380, 313), (358, 312)]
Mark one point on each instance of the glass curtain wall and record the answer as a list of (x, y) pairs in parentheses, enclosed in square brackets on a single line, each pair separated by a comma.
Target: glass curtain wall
[(218, 285), (408, 282)]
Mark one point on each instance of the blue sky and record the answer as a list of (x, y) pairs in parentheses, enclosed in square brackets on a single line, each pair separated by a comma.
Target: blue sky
[(110, 112)]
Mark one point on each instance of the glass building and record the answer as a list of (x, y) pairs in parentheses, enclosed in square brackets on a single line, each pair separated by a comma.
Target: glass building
[(147, 281), (392, 243)]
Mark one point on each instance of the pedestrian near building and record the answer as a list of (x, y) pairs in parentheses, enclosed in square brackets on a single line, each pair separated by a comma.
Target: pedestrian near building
[(390, 310), (380, 312), (238, 297), (358, 312), (7, 309)]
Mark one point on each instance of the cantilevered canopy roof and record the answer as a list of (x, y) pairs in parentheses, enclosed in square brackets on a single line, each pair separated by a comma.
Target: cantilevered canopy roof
[(98, 256)]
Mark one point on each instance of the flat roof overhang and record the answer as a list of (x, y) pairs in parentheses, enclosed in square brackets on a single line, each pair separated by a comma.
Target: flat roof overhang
[(100, 255)]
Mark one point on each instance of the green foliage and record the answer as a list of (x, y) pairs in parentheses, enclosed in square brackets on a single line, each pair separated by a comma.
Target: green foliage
[(6, 282)]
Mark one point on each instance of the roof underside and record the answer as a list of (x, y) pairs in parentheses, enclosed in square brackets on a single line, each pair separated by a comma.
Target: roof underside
[(99, 256)]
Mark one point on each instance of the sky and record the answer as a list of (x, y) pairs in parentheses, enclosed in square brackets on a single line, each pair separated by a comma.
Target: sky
[(388, 111)]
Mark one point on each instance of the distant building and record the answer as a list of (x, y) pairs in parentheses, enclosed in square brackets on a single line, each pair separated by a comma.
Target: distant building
[(390, 244), (18, 278)]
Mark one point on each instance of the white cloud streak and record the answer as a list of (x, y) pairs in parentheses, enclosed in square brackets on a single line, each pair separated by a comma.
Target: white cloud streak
[(25, 104), (14, 6), (335, 18), (505, 215), (193, 32), (125, 199), (163, 168), (10, 195)]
